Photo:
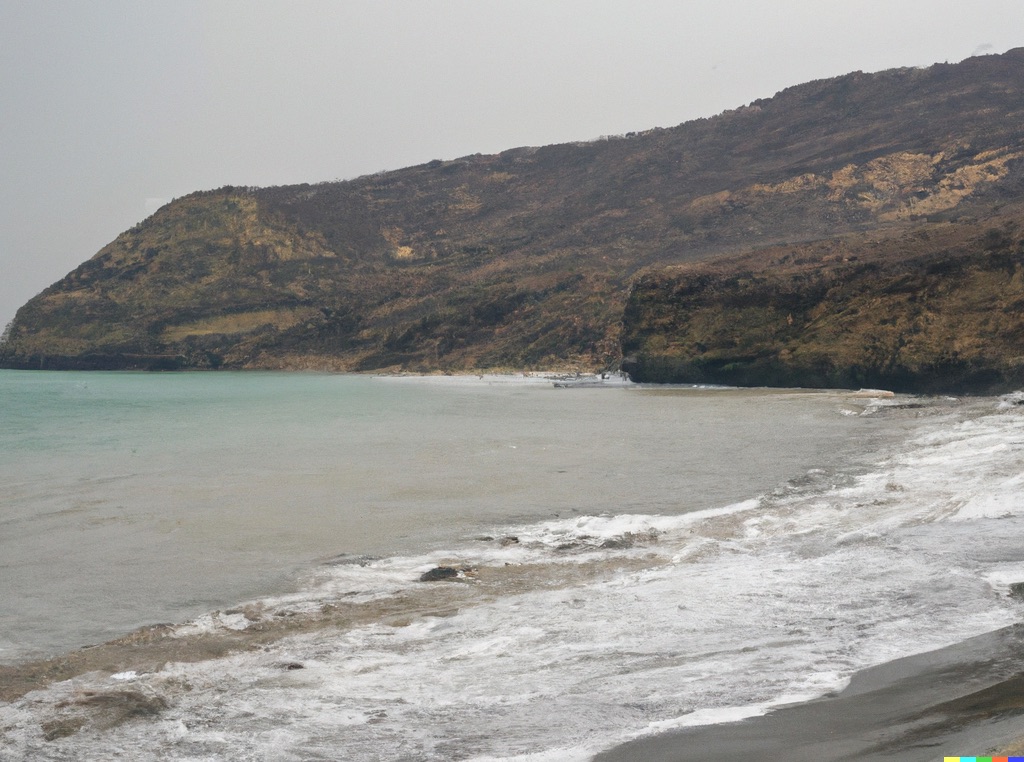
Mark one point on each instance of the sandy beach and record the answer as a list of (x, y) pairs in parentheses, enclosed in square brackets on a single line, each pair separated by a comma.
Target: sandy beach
[(967, 699)]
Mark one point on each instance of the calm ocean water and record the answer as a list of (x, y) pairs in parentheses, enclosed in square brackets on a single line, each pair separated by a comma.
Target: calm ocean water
[(680, 555)]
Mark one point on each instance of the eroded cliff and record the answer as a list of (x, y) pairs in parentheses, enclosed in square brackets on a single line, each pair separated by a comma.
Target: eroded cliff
[(936, 308), (526, 258)]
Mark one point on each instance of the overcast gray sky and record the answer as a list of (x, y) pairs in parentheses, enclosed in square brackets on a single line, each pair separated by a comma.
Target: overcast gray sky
[(110, 107)]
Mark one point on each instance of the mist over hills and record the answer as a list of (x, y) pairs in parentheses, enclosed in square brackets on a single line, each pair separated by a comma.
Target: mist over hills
[(861, 229)]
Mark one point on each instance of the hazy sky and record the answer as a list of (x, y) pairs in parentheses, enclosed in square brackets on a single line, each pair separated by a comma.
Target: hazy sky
[(110, 107)]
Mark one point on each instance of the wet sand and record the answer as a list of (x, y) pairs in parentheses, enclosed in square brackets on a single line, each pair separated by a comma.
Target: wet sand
[(967, 699)]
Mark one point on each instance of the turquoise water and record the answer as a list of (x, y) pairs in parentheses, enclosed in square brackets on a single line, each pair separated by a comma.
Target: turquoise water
[(132, 498), (681, 557)]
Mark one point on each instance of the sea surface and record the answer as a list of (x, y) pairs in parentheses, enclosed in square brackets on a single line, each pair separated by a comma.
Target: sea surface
[(629, 560)]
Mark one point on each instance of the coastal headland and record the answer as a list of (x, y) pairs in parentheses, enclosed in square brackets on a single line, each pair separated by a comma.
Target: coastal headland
[(860, 230)]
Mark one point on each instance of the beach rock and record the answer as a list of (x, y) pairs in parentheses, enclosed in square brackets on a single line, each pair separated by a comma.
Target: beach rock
[(510, 540), (344, 559), (61, 727), (439, 573), (629, 539), (107, 709), (615, 543)]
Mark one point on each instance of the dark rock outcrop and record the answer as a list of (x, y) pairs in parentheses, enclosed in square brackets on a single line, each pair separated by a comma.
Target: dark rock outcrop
[(939, 308), (439, 573)]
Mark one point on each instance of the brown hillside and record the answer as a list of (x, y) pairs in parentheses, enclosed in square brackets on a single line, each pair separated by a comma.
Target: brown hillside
[(526, 258), (936, 308)]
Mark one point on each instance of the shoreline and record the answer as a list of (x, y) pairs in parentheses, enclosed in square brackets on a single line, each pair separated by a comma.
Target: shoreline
[(743, 561), (964, 699)]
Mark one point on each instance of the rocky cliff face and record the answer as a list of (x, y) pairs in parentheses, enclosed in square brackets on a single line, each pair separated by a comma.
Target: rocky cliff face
[(936, 308), (527, 258)]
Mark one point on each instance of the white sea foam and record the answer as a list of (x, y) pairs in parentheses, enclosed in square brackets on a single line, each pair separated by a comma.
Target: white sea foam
[(627, 624), (815, 686)]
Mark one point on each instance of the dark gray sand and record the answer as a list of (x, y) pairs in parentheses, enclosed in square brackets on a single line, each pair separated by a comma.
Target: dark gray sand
[(966, 699)]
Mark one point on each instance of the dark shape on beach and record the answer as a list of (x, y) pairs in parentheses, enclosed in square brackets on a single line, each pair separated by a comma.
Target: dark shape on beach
[(102, 710), (439, 573), (864, 230), (123, 704), (346, 559), (619, 543), (61, 727)]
